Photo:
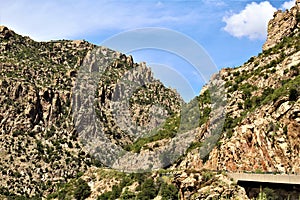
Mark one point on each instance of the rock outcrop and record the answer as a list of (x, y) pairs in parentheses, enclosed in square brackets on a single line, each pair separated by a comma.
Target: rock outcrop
[(284, 24)]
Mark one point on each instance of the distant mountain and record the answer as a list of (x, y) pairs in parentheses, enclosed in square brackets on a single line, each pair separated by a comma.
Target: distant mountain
[(52, 143)]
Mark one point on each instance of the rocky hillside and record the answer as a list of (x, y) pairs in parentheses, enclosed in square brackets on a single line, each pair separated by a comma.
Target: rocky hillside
[(52, 144), (262, 127), (39, 145), (41, 148)]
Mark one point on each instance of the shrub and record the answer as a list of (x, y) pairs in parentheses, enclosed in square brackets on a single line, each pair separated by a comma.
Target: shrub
[(168, 192), (148, 190), (233, 88), (293, 94), (127, 195), (228, 84), (247, 104), (237, 73), (194, 145), (270, 193), (240, 105), (105, 196), (298, 17), (82, 190), (285, 130), (207, 175), (116, 192)]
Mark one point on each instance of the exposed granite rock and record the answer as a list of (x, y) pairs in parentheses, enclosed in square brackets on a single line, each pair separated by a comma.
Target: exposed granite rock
[(282, 25)]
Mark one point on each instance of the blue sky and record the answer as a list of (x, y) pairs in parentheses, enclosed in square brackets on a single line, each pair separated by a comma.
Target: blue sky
[(230, 32)]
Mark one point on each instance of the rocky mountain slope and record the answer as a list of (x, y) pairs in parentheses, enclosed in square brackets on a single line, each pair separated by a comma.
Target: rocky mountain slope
[(47, 150), (262, 128), (40, 146)]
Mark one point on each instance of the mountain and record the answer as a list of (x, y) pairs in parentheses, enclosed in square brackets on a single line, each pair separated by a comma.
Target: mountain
[(261, 129), (54, 146)]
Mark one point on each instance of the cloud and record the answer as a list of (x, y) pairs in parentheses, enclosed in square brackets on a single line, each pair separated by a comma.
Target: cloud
[(45, 20), (251, 22), (288, 5)]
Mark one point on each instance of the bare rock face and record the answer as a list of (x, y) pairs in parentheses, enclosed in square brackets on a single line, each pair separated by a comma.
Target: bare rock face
[(282, 25)]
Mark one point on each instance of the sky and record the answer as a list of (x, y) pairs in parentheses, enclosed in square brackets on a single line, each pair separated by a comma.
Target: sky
[(229, 32)]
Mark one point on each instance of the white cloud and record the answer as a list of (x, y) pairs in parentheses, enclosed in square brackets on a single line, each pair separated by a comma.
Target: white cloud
[(251, 22), (288, 5)]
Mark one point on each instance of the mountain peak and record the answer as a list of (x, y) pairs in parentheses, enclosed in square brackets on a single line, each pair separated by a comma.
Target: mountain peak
[(282, 25), (5, 33)]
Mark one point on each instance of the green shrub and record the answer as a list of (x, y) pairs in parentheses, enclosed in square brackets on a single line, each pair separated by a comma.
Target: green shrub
[(293, 94), (194, 145), (298, 17), (228, 84), (116, 192), (207, 175), (237, 73), (105, 196), (82, 190), (168, 192), (285, 130), (148, 190), (128, 195), (247, 104), (233, 88), (240, 105), (271, 194)]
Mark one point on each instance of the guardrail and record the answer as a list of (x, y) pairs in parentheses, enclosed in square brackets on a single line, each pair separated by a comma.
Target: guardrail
[(268, 178)]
